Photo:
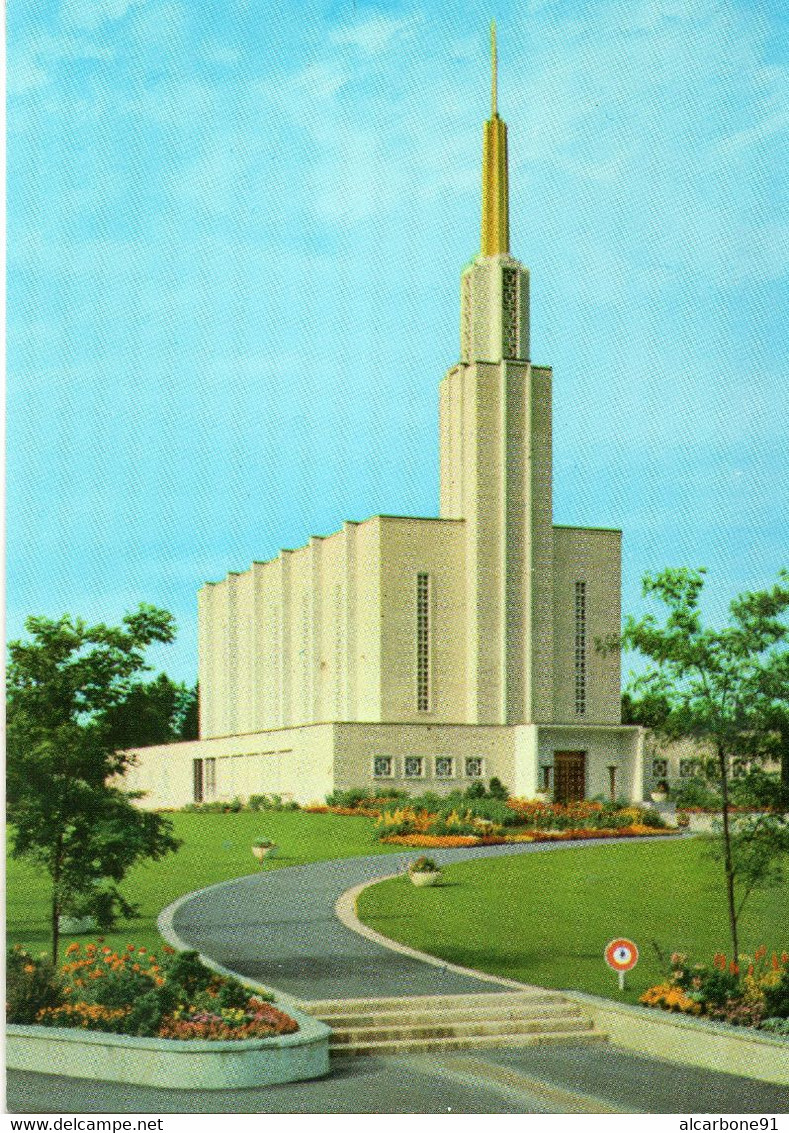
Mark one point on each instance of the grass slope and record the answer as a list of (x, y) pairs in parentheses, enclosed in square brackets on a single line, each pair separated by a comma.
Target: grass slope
[(546, 918), (216, 847)]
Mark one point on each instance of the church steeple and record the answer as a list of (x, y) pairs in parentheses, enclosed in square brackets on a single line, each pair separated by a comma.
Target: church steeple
[(495, 189)]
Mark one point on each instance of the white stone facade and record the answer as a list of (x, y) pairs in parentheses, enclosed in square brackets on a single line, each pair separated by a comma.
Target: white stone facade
[(456, 647)]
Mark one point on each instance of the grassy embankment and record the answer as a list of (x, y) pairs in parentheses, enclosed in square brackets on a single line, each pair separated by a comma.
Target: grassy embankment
[(216, 847), (546, 918)]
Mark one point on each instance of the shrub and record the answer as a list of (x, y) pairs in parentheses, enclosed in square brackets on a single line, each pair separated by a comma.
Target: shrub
[(776, 999), (758, 789), (423, 865), (652, 819), (497, 790), (696, 792), (270, 802), (133, 993), (475, 791), (740, 994), (775, 1026), (31, 986)]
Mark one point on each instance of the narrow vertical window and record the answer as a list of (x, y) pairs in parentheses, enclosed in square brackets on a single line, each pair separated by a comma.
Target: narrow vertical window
[(423, 642), (580, 648), (210, 778)]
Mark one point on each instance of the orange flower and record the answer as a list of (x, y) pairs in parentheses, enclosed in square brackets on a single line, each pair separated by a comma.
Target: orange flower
[(72, 948)]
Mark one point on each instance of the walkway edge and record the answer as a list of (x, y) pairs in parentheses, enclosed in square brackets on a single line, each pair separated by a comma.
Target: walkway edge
[(643, 1030), (345, 911), (164, 923)]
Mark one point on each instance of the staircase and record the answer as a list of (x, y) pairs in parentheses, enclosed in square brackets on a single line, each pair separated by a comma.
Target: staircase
[(451, 1022)]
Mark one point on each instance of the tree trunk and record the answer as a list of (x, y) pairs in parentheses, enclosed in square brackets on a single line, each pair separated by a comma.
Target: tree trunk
[(728, 862), (55, 926), (56, 901)]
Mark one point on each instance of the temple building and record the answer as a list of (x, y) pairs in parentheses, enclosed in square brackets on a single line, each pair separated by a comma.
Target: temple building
[(426, 653)]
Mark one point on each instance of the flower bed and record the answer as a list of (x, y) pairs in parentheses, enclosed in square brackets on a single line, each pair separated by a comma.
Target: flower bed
[(453, 841), (750, 992), (135, 993)]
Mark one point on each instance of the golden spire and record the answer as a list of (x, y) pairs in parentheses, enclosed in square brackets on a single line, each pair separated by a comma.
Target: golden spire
[(495, 190)]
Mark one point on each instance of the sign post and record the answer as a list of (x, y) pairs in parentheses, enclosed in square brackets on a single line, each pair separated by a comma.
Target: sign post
[(622, 956)]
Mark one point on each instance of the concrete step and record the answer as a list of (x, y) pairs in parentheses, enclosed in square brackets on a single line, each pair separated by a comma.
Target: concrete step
[(440, 1029), (452, 1015), (451, 1022), (431, 1003), (468, 1042)]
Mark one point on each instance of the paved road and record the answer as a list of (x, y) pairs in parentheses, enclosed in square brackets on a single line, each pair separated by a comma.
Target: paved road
[(562, 1079), (279, 928)]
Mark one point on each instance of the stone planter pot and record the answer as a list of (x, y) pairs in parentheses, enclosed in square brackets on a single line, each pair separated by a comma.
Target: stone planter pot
[(425, 878), (261, 852), (658, 796)]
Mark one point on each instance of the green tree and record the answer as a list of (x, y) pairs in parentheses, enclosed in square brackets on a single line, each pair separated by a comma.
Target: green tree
[(188, 719), (66, 806), (725, 687), (148, 714)]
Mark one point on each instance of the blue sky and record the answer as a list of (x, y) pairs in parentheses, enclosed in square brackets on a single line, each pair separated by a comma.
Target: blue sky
[(235, 235)]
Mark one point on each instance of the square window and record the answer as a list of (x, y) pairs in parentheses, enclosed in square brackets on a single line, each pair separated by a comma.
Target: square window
[(659, 768), (444, 767), (414, 767), (474, 767), (687, 768), (383, 767)]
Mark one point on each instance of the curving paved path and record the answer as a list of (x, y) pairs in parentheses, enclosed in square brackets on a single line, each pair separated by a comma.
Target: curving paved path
[(279, 928)]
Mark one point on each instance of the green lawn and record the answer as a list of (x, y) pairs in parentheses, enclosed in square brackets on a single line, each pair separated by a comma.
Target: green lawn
[(546, 918), (215, 847)]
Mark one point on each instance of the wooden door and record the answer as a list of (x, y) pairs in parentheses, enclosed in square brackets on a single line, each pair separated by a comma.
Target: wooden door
[(569, 776)]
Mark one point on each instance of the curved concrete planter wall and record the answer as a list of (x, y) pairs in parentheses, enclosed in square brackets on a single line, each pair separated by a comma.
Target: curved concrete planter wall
[(691, 1042), (170, 1063)]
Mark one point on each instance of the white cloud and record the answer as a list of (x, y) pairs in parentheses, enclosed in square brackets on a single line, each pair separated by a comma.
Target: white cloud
[(90, 14), (375, 33)]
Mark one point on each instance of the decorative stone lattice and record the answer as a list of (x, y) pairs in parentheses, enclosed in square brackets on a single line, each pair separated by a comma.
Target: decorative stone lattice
[(509, 303)]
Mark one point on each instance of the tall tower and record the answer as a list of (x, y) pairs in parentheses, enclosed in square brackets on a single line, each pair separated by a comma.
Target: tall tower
[(495, 443)]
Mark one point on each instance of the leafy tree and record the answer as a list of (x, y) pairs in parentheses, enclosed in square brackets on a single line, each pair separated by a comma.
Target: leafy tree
[(188, 719), (725, 687), (68, 812), (147, 714)]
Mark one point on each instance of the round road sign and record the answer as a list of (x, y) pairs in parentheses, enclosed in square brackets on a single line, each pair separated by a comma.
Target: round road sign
[(621, 955)]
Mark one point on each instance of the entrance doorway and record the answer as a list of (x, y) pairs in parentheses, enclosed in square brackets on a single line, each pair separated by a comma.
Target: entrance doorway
[(569, 776)]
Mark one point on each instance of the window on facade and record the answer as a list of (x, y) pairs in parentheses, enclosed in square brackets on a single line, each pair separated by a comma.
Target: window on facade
[(474, 768), (444, 767), (383, 767), (687, 768), (580, 648), (739, 768), (423, 642), (197, 780), (414, 767), (659, 768), (210, 778)]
